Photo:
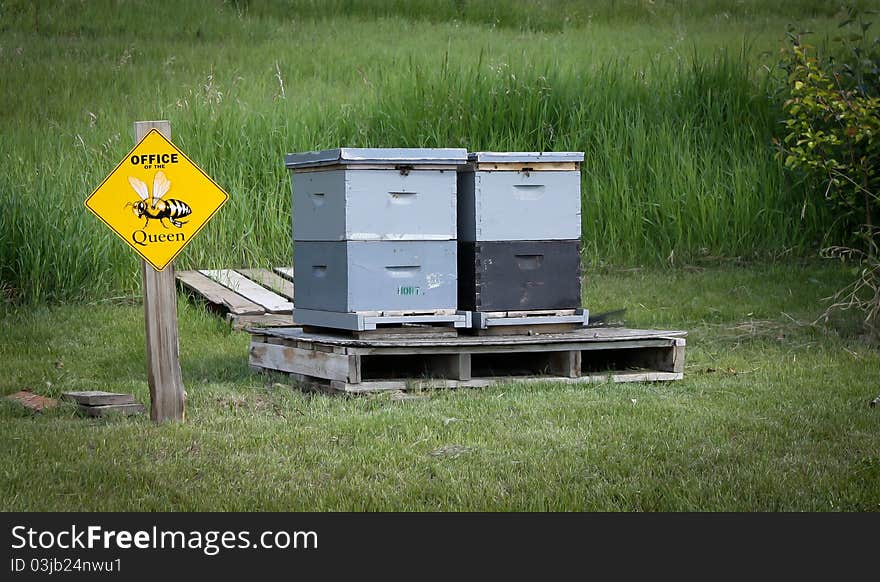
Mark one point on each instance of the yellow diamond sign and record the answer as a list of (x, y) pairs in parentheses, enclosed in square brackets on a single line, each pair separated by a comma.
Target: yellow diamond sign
[(156, 199)]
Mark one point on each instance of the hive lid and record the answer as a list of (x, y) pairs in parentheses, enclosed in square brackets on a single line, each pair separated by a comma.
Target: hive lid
[(525, 157), (357, 156)]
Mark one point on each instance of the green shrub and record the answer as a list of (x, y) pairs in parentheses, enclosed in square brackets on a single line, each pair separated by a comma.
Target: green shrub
[(832, 136)]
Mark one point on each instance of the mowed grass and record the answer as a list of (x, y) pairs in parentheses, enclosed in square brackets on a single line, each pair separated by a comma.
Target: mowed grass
[(672, 103), (772, 415)]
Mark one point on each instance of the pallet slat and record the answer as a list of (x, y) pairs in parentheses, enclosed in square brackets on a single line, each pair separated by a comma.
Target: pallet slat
[(270, 280), (308, 362), (217, 294), (286, 272), (590, 338), (269, 300), (241, 322), (434, 383), (98, 398)]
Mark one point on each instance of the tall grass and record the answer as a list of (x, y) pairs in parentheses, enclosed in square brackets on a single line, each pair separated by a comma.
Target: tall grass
[(675, 117)]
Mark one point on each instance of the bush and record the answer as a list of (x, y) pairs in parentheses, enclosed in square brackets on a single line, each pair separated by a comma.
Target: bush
[(832, 136)]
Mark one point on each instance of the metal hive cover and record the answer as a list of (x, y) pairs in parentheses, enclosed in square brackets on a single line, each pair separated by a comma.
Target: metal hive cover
[(525, 157), (356, 156)]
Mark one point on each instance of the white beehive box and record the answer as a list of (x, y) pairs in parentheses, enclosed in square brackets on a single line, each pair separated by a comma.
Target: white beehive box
[(375, 194), (520, 196)]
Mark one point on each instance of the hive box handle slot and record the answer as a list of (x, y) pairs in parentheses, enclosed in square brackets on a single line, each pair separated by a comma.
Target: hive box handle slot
[(318, 198), (528, 262), (403, 271), (319, 270), (529, 191), (402, 197)]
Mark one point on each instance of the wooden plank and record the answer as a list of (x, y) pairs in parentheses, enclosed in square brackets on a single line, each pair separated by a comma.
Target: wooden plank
[(526, 166), (354, 369), (286, 272), (104, 410), (566, 364), (270, 280), (241, 322), (456, 366), (167, 395), (163, 344), (508, 348), (678, 356), (528, 330), (218, 295), (308, 362), (98, 398), (440, 383), (406, 332), (350, 166), (600, 338), (268, 300)]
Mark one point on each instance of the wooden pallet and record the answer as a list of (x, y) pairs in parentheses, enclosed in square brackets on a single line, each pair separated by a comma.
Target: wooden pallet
[(334, 363), (248, 297)]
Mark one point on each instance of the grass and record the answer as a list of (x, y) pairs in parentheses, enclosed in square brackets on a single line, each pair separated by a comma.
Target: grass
[(670, 101), (772, 416)]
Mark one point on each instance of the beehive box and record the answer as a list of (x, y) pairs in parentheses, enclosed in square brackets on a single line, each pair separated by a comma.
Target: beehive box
[(375, 194), (520, 196), (519, 275), (350, 276)]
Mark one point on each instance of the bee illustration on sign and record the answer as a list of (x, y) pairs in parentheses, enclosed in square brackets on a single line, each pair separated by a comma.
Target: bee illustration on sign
[(153, 207)]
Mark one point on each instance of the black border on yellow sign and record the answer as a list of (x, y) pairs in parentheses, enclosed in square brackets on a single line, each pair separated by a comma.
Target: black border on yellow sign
[(119, 165)]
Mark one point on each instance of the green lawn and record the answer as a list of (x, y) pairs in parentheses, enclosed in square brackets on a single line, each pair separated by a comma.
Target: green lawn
[(772, 415)]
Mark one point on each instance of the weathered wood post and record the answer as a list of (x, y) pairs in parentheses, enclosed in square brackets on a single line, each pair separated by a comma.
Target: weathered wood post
[(167, 396)]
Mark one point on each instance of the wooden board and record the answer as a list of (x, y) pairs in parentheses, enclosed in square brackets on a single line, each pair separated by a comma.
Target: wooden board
[(585, 336), (268, 300), (167, 393), (351, 166), (98, 398), (241, 322), (124, 409), (217, 294), (286, 272), (526, 166), (270, 280), (290, 359), (437, 383)]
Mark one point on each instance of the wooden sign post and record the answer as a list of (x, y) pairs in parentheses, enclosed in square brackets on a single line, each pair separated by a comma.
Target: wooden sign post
[(157, 200), (167, 396)]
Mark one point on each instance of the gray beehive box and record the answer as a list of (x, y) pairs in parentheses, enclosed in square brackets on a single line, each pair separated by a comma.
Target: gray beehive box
[(350, 276), (375, 194), (520, 196)]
